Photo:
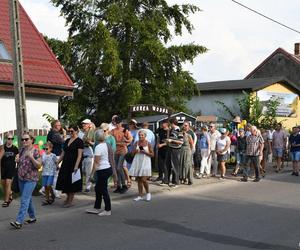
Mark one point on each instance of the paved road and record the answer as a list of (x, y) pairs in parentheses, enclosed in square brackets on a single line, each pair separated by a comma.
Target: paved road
[(223, 215)]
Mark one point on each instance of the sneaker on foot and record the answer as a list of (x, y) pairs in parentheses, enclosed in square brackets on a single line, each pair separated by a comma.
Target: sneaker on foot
[(139, 198), (148, 197), (93, 211), (124, 189), (105, 213), (244, 179), (16, 224), (118, 190), (296, 173), (256, 180), (163, 184)]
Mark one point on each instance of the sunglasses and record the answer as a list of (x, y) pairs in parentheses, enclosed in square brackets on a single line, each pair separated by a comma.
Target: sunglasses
[(25, 139), (10, 138), (46, 148), (71, 131), (104, 130)]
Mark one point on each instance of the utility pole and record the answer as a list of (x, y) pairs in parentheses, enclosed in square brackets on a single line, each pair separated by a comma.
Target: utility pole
[(18, 75)]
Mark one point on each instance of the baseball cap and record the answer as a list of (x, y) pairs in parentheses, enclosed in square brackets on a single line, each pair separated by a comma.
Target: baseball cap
[(86, 121), (223, 130)]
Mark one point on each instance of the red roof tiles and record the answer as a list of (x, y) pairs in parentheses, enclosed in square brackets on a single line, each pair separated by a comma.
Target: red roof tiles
[(40, 64)]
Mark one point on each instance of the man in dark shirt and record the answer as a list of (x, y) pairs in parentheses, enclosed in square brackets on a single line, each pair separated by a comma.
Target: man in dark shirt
[(174, 143), (294, 144), (57, 139), (162, 149)]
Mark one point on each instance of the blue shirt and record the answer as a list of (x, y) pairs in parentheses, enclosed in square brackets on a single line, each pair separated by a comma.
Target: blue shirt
[(203, 141)]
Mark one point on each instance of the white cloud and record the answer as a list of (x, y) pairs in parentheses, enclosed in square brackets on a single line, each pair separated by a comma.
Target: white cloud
[(46, 18)]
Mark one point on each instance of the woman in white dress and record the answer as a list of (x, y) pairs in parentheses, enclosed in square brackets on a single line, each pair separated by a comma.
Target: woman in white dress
[(141, 165)]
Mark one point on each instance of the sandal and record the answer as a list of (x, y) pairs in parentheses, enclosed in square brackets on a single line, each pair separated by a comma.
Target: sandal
[(47, 202), (5, 204), (10, 198)]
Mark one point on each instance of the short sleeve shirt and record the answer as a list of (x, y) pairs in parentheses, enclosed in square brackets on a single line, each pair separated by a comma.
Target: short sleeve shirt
[(102, 151), (294, 139), (213, 139), (49, 164), (278, 139), (253, 143), (120, 135), (26, 170)]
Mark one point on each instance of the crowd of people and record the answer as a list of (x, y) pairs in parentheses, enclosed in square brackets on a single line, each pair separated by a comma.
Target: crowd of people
[(115, 152)]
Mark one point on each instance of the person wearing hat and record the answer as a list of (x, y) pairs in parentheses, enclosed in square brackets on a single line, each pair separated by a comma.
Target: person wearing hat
[(223, 151), (240, 151), (87, 136), (112, 124)]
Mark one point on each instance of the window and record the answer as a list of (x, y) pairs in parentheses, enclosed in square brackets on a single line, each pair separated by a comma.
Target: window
[(4, 55)]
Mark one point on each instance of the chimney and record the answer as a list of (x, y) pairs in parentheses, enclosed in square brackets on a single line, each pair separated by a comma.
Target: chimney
[(297, 49)]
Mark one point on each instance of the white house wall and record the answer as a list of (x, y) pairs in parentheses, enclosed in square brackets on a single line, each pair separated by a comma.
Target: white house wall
[(205, 103), (36, 107)]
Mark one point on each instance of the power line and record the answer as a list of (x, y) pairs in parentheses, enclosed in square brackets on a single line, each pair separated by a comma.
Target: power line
[(271, 19)]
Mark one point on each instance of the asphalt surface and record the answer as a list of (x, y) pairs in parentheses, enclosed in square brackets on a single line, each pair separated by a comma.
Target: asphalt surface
[(211, 214)]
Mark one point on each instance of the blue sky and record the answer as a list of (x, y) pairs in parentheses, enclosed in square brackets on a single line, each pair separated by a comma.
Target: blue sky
[(238, 40)]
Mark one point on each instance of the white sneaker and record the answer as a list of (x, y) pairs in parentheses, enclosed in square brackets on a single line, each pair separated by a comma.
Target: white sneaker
[(105, 213), (93, 211), (148, 197), (139, 198)]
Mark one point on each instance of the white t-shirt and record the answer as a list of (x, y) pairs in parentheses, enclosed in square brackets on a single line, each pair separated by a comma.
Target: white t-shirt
[(213, 139), (221, 144), (102, 151), (1, 142)]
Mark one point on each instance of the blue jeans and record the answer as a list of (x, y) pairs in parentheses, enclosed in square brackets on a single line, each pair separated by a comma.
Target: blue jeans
[(119, 160), (26, 206)]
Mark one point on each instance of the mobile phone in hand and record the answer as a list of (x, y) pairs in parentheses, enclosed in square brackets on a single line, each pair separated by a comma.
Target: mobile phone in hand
[(141, 148)]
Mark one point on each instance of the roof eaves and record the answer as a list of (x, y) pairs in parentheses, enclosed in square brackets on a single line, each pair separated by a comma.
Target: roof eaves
[(279, 50)]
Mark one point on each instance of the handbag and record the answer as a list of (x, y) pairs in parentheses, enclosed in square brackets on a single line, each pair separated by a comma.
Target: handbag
[(15, 183), (129, 157)]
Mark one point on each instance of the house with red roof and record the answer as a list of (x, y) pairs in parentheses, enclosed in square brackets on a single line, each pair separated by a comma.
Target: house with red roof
[(45, 79), (278, 76)]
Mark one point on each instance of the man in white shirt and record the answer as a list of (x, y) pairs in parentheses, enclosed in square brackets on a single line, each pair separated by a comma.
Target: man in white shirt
[(212, 159)]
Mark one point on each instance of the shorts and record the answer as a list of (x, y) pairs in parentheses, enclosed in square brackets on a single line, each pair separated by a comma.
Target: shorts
[(240, 158), (278, 152), (295, 156), (47, 180), (223, 157), (7, 172)]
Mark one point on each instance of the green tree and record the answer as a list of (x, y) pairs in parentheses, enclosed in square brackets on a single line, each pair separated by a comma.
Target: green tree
[(251, 110), (117, 54)]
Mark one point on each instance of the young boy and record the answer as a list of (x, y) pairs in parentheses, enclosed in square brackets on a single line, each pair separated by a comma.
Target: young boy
[(49, 161)]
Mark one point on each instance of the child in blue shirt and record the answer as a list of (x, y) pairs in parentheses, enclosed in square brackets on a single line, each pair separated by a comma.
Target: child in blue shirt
[(49, 161)]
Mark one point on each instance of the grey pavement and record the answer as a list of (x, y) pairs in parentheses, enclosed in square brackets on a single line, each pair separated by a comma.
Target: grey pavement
[(211, 214)]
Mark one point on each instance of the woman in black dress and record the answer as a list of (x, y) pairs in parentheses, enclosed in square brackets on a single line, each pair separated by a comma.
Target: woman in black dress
[(71, 158), (8, 168)]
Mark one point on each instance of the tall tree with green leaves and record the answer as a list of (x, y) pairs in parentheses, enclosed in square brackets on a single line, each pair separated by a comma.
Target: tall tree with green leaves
[(119, 54)]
